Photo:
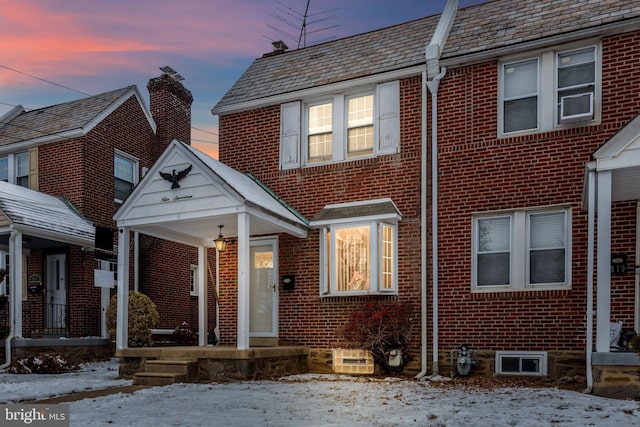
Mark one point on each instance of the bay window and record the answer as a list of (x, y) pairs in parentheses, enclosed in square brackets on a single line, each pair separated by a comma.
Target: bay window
[(358, 251)]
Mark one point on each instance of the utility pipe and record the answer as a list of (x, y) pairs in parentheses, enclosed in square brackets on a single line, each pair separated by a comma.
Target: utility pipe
[(590, 267), (433, 85), (12, 312), (423, 236)]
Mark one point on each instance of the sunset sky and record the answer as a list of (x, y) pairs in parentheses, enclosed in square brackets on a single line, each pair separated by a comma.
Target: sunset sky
[(54, 51)]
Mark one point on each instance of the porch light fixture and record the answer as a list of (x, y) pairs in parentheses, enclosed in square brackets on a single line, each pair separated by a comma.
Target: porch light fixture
[(220, 243)]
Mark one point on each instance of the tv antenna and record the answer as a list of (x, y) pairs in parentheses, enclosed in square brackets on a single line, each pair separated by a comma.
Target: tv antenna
[(299, 22)]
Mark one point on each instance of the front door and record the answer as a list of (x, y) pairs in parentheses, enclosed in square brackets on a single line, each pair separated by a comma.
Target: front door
[(263, 292), (56, 296)]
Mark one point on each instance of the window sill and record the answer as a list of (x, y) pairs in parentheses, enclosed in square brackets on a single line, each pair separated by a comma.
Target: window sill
[(353, 296)]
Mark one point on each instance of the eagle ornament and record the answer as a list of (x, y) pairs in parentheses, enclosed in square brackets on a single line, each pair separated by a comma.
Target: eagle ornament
[(174, 177)]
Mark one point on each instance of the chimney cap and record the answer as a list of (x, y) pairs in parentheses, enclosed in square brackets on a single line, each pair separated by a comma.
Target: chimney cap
[(279, 46), (171, 73)]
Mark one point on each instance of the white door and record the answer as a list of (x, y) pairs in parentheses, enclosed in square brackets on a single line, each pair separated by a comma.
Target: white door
[(263, 291), (56, 296)]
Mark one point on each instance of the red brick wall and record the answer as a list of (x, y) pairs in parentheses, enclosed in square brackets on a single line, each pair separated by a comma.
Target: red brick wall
[(250, 143), (480, 172)]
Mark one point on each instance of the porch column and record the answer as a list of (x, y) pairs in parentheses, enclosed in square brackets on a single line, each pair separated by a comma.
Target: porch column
[(243, 280), (15, 280), (122, 326), (202, 297), (603, 275)]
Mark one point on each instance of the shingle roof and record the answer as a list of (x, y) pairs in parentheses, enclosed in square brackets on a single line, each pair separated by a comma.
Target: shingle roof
[(508, 22), (388, 49), (48, 214), (485, 26), (57, 119)]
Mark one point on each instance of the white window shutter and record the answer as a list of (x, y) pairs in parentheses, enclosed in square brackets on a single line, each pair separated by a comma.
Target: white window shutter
[(388, 108), (290, 135)]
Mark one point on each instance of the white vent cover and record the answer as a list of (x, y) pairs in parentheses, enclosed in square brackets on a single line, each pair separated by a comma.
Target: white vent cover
[(352, 361)]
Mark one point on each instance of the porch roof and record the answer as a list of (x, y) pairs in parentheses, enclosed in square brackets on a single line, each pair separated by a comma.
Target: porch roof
[(49, 220), (620, 155), (210, 194)]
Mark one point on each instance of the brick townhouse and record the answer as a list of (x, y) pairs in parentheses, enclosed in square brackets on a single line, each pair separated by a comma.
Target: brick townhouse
[(453, 160), (83, 158)]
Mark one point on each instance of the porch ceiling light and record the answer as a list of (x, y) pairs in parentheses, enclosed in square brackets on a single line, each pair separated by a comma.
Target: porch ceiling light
[(220, 243)]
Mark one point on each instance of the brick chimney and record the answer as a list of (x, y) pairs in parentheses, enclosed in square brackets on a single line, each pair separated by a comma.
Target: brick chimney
[(170, 104)]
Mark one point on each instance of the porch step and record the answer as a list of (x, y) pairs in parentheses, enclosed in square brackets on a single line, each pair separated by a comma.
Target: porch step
[(167, 371)]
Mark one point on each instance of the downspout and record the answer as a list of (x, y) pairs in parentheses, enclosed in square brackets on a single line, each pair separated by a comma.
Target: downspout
[(12, 313), (434, 74), (590, 268), (433, 85)]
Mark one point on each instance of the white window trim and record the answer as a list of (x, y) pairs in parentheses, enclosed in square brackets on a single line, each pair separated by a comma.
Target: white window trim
[(519, 253), (327, 270), (540, 355), (193, 280), (294, 125), (12, 166), (548, 89), (136, 167)]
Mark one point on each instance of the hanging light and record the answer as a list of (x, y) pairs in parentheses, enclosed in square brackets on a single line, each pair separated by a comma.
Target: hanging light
[(221, 244)]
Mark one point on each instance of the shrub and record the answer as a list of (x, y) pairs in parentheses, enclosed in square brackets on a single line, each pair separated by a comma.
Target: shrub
[(183, 335), (381, 327), (44, 364), (143, 316)]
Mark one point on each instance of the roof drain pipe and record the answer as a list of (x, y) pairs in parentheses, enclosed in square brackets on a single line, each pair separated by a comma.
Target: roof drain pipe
[(12, 311), (435, 73)]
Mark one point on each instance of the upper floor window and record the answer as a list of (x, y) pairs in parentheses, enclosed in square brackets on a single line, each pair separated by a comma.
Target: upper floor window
[(358, 254), (340, 127), (521, 249), (125, 175), (14, 168), (549, 90)]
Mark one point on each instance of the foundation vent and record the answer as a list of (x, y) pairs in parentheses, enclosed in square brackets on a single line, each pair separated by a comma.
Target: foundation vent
[(352, 361)]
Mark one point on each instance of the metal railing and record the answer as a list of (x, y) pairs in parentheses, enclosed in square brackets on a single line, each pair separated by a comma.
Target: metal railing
[(61, 320)]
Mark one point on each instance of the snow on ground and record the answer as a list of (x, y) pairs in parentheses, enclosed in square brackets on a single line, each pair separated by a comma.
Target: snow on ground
[(318, 400)]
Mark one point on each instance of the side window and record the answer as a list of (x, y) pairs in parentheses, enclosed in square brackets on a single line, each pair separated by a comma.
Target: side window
[(360, 126), (14, 168), (576, 78), (193, 281), (4, 168), (125, 175), (22, 169), (520, 96), (320, 133)]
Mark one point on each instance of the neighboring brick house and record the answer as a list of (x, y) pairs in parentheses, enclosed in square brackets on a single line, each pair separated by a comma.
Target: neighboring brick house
[(489, 241), (91, 152)]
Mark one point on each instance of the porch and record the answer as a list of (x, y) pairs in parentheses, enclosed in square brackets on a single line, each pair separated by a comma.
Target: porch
[(164, 365)]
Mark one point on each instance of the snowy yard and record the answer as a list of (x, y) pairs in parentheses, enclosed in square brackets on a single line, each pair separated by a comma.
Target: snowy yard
[(317, 400)]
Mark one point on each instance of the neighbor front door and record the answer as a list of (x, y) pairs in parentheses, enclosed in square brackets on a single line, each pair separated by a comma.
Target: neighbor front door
[(56, 296), (263, 278)]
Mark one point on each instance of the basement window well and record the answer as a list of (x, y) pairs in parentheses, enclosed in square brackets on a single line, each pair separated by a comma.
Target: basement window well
[(521, 363)]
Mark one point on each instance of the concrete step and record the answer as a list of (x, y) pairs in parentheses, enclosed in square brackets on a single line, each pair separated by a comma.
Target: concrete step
[(178, 366), (158, 378)]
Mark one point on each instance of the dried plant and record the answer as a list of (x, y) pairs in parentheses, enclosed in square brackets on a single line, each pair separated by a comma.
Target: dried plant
[(381, 327)]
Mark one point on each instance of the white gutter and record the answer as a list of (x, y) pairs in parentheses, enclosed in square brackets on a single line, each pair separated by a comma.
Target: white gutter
[(12, 312), (433, 76)]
